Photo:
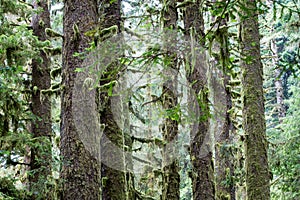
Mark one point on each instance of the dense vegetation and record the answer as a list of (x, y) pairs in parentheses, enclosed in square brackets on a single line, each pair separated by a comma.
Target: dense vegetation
[(127, 99)]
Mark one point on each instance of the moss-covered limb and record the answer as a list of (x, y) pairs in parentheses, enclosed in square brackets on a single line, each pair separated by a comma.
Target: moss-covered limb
[(53, 34), (109, 32), (76, 33), (55, 72), (27, 26), (54, 86), (53, 51), (134, 33), (155, 141), (51, 91), (235, 82), (235, 93)]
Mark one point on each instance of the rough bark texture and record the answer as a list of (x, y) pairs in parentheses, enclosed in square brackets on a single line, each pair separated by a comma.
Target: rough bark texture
[(221, 98), (223, 131), (41, 107), (170, 172), (171, 177), (116, 183), (201, 154), (257, 173), (80, 170)]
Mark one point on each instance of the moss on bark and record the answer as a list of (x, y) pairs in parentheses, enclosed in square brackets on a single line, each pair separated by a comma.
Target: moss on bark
[(41, 158), (170, 172), (80, 170), (202, 165), (257, 173)]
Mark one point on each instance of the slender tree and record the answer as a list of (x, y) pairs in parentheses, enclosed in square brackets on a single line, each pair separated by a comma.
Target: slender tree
[(80, 170), (41, 157), (202, 167), (170, 171), (278, 82), (222, 103), (257, 173), (117, 183)]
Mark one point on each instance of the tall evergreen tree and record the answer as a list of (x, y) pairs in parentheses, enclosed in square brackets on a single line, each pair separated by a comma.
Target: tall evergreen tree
[(222, 125), (41, 157), (117, 183), (80, 170), (170, 171), (257, 173), (201, 158)]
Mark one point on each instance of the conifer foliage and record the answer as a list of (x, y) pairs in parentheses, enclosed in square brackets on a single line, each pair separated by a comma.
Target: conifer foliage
[(179, 100)]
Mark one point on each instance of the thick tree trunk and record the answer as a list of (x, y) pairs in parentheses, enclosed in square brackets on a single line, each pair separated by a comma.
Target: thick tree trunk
[(41, 157), (170, 172), (117, 180), (80, 170), (201, 154), (257, 173)]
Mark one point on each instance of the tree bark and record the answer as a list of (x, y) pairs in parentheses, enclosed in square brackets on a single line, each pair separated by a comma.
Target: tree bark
[(222, 103), (201, 155), (40, 161), (257, 173), (170, 171), (116, 183), (80, 170)]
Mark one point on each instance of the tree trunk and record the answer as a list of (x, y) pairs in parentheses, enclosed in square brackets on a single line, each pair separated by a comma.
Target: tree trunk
[(278, 83), (170, 171), (80, 170), (41, 157), (222, 128), (257, 173), (117, 180), (201, 153)]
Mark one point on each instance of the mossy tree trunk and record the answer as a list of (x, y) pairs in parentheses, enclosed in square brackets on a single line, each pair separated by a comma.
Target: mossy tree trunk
[(223, 131), (117, 180), (80, 170), (223, 128), (40, 164), (201, 157), (170, 171), (257, 172)]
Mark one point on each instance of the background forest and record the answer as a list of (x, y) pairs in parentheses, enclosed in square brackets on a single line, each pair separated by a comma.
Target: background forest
[(150, 99)]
